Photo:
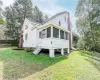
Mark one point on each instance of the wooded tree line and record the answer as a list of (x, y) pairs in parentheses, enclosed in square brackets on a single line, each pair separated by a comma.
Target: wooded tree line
[(15, 15), (87, 13), (1, 18), (2, 22)]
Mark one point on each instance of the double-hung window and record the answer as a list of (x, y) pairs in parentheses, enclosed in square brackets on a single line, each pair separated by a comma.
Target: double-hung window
[(44, 33), (59, 23)]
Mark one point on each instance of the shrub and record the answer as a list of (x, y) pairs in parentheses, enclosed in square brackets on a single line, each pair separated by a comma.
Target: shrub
[(28, 49)]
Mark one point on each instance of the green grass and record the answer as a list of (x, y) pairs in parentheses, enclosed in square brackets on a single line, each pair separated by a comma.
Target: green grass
[(80, 65)]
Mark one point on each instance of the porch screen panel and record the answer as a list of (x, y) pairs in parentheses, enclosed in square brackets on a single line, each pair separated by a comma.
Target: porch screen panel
[(55, 32), (61, 34), (48, 32)]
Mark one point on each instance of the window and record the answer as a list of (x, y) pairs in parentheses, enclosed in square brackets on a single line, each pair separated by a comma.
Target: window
[(40, 35), (55, 32), (59, 23), (44, 33), (61, 34), (26, 27), (48, 32), (26, 36), (65, 19), (66, 35)]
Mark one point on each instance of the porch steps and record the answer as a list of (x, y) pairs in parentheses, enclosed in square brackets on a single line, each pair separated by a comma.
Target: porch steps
[(37, 51)]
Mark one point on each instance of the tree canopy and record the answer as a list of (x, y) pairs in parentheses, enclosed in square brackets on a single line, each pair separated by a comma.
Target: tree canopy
[(87, 12), (15, 15), (2, 22)]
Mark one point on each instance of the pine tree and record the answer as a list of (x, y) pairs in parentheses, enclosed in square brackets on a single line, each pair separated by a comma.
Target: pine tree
[(15, 16), (38, 16), (46, 17)]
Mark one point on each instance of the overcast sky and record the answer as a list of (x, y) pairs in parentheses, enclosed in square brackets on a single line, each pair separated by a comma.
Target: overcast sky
[(52, 7)]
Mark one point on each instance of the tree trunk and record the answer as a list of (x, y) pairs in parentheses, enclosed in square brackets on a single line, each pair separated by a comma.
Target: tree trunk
[(21, 31), (21, 36)]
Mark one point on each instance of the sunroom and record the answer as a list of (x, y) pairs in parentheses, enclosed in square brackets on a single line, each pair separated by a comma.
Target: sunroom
[(53, 37)]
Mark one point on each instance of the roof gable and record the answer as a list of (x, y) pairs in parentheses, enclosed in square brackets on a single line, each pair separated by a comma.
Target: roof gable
[(55, 16)]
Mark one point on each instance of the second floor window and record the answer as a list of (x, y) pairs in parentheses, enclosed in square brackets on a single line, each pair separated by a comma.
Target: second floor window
[(59, 23)]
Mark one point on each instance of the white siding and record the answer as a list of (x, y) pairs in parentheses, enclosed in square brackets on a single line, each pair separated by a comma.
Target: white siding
[(60, 18), (32, 34), (53, 43)]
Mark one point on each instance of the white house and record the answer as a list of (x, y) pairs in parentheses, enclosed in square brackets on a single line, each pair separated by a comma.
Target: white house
[(54, 34)]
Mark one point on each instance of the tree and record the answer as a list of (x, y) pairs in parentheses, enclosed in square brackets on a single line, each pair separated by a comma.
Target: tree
[(38, 16), (46, 17), (12, 25), (15, 15), (24, 10), (75, 39), (2, 22), (87, 12), (1, 3)]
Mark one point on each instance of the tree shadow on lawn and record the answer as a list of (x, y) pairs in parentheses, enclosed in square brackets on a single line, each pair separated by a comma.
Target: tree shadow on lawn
[(2, 46), (20, 64), (93, 58)]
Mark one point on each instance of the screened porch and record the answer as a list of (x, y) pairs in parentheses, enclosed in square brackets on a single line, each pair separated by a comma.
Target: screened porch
[(53, 32), (53, 38)]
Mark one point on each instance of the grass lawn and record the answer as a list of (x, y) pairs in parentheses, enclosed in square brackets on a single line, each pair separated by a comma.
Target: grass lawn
[(20, 65)]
